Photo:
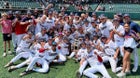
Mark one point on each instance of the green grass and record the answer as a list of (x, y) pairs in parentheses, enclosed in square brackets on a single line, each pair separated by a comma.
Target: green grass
[(56, 71)]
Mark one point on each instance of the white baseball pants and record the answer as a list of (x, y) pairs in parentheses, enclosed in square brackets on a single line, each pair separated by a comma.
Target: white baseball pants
[(19, 38), (96, 68), (42, 61), (113, 63), (82, 67), (14, 40), (26, 55)]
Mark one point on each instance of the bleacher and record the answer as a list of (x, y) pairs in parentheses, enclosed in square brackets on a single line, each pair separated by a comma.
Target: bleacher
[(93, 6), (132, 9), (123, 8), (21, 4), (25, 4)]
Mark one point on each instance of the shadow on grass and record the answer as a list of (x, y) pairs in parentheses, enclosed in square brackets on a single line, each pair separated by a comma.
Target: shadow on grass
[(135, 73)]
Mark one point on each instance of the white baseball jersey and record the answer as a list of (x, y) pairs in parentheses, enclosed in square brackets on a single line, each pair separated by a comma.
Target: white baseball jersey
[(50, 55), (119, 40), (82, 53), (64, 48), (24, 43), (110, 48), (91, 30), (50, 23), (86, 28), (66, 26), (38, 54), (106, 27), (92, 60), (39, 35), (96, 42), (23, 46), (47, 46), (39, 26)]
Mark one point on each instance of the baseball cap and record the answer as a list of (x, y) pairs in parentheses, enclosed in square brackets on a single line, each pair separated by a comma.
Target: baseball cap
[(29, 12), (92, 21), (43, 28), (76, 15), (9, 12), (86, 20), (17, 12), (30, 33), (41, 40), (54, 43), (94, 13), (102, 16), (71, 13), (66, 15), (50, 12), (119, 14), (115, 19), (95, 35), (103, 37), (126, 15)]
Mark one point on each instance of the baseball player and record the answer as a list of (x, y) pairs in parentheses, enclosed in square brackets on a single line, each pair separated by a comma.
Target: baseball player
[(82, 52), (61, 54), (96, 66), (25, 43), (41, 23), (105, 26), (42, 34), (43, 57), (50, 21), (109, 50), (83, 62), (64, 47), (75, 46), (118, 34), (26, 55)]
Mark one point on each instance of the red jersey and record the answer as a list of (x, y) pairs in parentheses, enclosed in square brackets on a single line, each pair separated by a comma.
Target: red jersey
[(20, 29)]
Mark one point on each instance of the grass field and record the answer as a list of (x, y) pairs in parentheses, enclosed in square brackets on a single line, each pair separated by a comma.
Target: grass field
[(56, 71)]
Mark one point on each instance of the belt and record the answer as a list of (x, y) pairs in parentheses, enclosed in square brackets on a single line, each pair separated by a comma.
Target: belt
[(40, 56), (111, 55), (47, 60), (118, 40)]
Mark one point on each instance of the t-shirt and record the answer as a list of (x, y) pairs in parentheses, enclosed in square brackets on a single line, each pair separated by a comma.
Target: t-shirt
[(20, 29), (6, 26)]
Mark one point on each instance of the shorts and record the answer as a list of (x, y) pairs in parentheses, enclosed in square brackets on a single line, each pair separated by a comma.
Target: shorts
[(129, 49), (7, 37)]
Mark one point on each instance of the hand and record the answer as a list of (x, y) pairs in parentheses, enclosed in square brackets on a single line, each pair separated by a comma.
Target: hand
[(115, 57), (8, 35), (16, 19), (95, 52), (114, 30), (132, 35)]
